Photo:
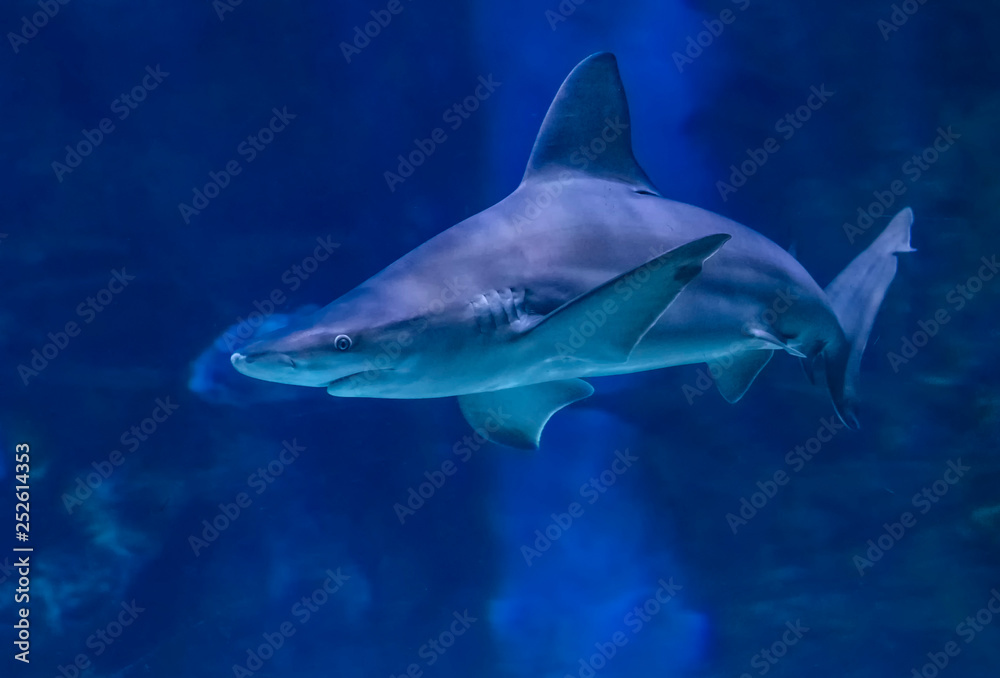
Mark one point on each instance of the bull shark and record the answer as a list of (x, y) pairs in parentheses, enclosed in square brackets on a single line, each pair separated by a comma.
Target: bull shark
[(585, 270)]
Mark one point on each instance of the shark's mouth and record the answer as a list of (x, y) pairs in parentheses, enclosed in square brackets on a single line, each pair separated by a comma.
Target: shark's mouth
[(361, 377)]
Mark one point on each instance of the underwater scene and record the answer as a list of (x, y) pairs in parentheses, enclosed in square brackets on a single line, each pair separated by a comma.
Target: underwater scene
[(533, 339)]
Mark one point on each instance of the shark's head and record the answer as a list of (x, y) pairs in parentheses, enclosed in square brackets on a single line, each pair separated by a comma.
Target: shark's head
[(331, 346), (306, 357)]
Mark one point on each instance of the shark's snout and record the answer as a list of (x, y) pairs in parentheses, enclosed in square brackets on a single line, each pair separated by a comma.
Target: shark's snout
[(268, 358), (258, 364), (282, 368)]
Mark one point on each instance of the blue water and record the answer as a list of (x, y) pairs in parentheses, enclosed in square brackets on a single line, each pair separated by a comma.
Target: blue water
[(183, 176)]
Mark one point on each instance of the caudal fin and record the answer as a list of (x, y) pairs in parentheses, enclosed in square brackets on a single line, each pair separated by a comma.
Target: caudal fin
[(856, 295)]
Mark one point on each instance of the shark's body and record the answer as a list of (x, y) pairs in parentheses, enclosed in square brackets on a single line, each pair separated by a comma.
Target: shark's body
[(584, 271)]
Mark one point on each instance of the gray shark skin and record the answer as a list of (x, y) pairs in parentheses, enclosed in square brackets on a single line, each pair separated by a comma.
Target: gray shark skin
[(585, 270)]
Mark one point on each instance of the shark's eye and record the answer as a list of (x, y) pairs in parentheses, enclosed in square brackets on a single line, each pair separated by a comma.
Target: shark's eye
[(343, 342)]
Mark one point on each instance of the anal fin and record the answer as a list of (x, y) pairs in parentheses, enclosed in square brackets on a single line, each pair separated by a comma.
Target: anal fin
[(733, 376), (516, 416)]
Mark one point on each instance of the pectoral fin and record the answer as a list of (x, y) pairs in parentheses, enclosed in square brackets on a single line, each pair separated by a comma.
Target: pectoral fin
[(734, 374), (516, 416), (605, 323)]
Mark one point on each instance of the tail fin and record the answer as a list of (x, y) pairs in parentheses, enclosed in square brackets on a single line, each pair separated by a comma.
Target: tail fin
[(856, 295)]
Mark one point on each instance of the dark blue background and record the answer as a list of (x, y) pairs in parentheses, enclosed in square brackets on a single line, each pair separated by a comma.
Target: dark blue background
[(324, 175)]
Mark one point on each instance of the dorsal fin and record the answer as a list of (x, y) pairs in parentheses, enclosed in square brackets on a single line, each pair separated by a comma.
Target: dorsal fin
[(588, 128)]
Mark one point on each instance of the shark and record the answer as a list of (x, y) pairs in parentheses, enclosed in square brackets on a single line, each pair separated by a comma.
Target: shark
[(585, 270)]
